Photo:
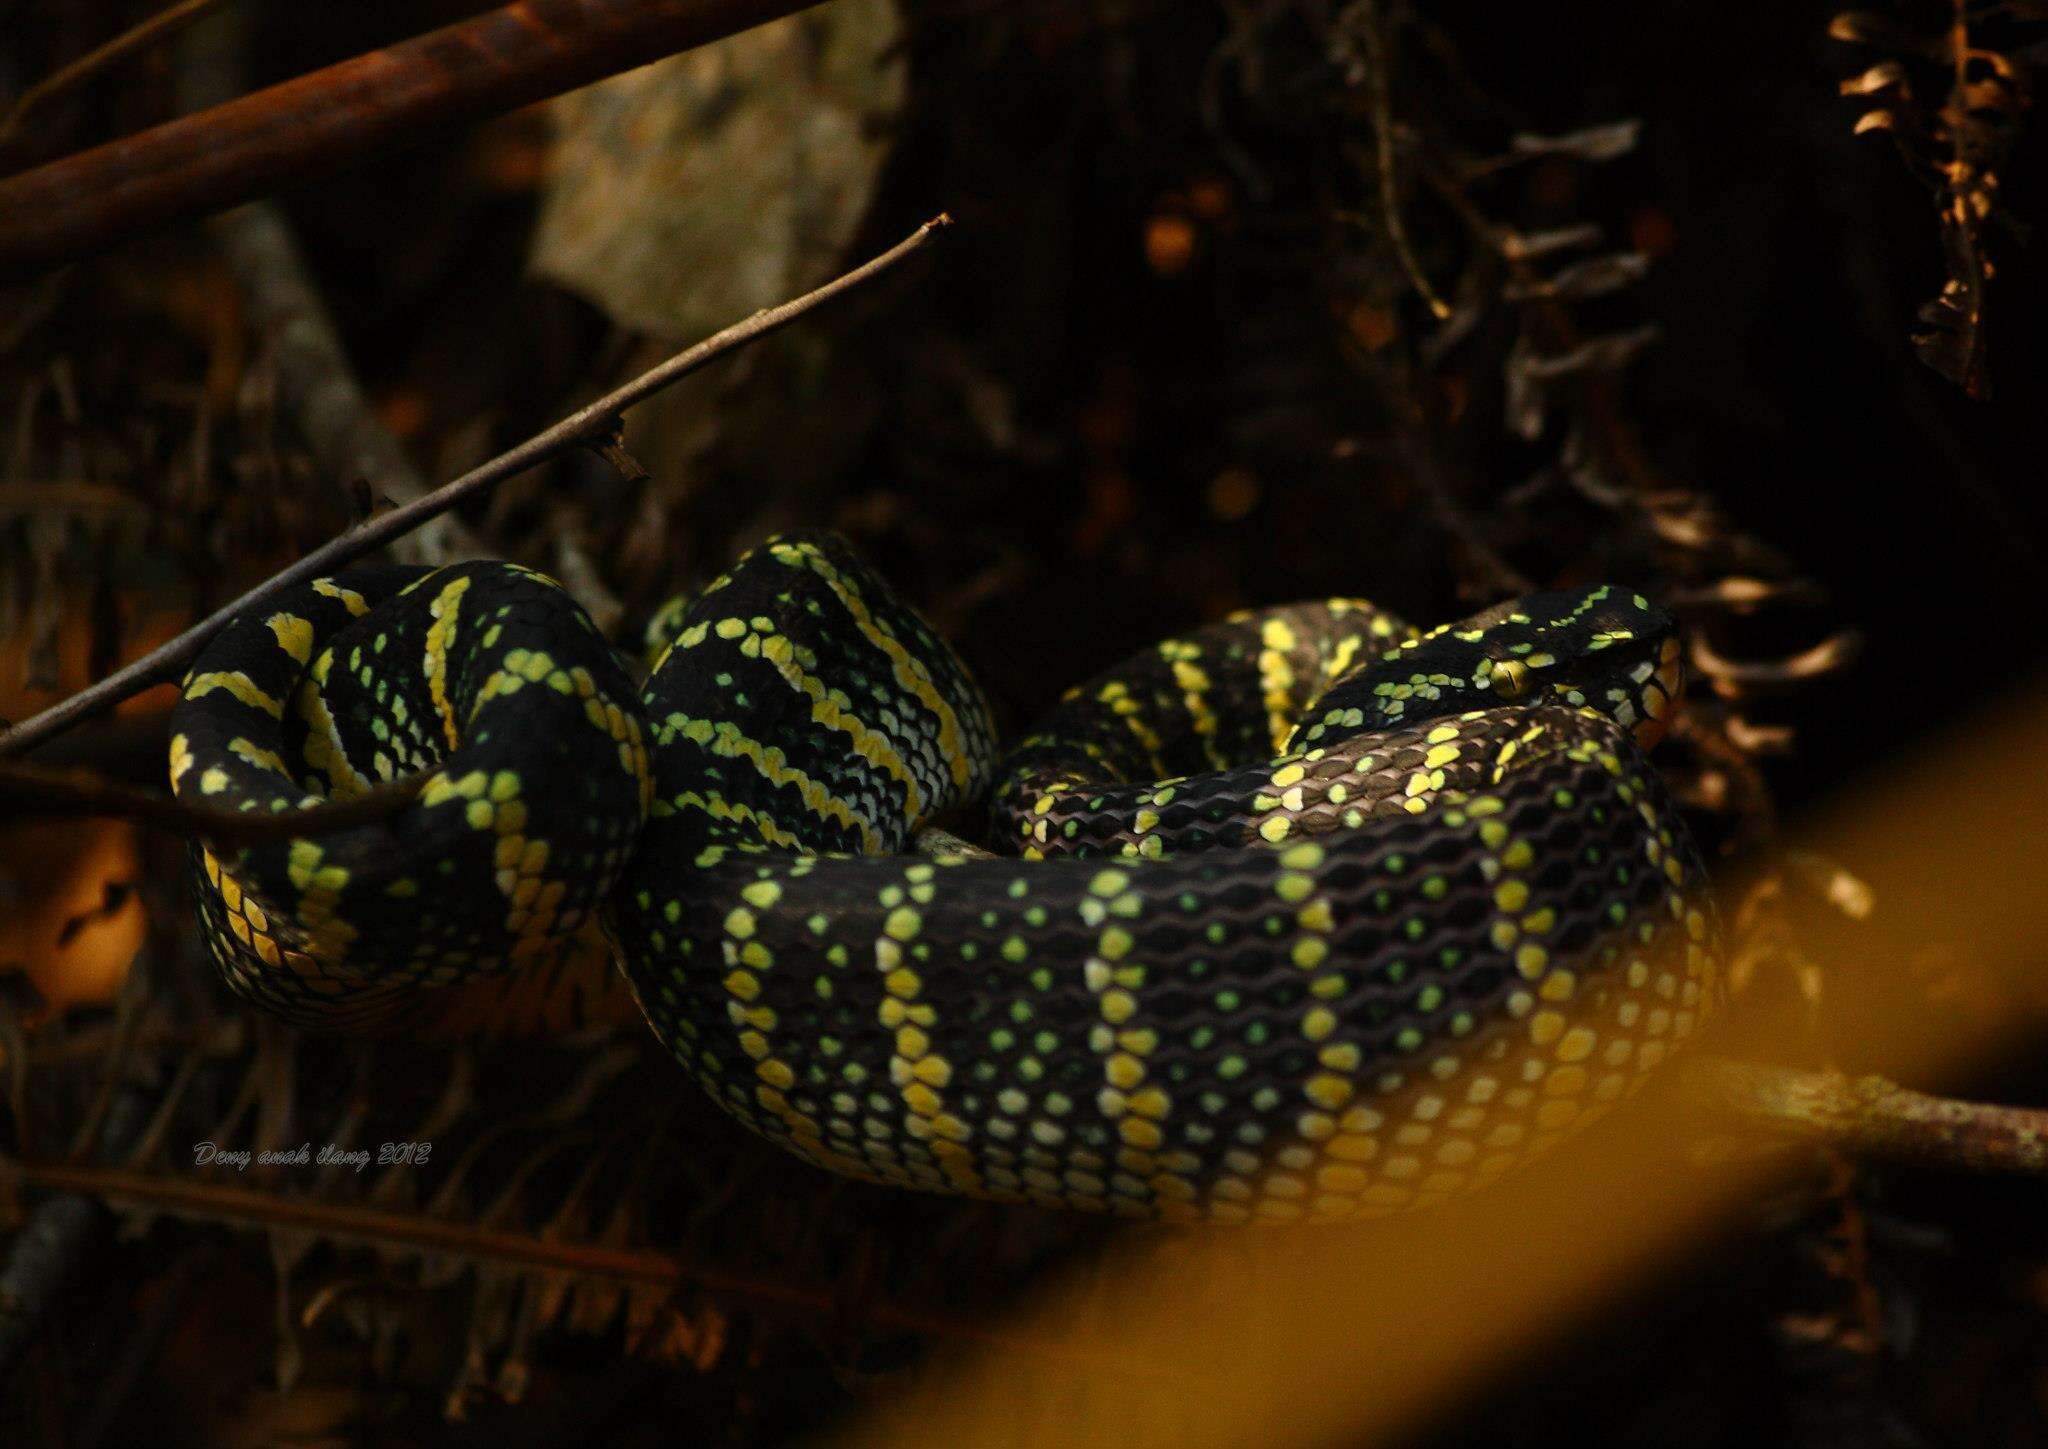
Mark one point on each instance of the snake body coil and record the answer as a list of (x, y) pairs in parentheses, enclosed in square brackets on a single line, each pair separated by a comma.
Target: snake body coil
[(1314, 915)]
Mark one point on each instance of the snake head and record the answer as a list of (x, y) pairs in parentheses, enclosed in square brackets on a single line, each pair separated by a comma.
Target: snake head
[(1603, 647)]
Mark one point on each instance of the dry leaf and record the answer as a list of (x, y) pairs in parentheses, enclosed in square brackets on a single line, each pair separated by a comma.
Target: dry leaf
[(689, 193)]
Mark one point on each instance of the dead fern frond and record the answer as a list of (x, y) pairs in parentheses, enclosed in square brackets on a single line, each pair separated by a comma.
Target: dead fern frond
[(1958, 145)]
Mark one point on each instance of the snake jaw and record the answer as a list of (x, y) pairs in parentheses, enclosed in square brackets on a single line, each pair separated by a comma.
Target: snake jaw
[(1660, 695)]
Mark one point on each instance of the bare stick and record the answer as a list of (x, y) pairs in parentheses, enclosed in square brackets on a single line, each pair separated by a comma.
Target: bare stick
[(315, 378), (140, 37), (1383, 157), (585, 427), (316, 381), (484, 66), (70, 792), (471, 1242), (1872, 1117)]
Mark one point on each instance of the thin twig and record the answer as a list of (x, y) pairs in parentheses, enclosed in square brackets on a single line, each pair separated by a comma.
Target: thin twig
[(579, 429), (316, 381), (45, 791), (89, 1046), (1872, 1117), (614, 451), (467, 1241), (140, 37), (1383, 156)]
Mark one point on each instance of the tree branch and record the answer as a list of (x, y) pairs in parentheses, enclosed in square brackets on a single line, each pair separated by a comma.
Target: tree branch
[(316, 381), (46, 791), (472, 1242), (1381, 81), (137, 38), (582, 428), (1872, 1117), (481, 67)]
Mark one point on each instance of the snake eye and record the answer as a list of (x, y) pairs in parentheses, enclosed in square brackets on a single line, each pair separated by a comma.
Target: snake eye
[(1510, 678)]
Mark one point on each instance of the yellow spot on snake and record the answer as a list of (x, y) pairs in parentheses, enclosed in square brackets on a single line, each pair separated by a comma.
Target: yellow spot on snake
[(294, 635), (719, 808), (724, 740), (181, 759), (1328, 1091), (1576, 1045), (445, 609), (354, 602), (258, 756), (902, 982), (238, 684), (911, 673)]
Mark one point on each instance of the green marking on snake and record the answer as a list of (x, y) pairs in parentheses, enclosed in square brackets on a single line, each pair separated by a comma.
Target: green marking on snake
[(1317, 915)]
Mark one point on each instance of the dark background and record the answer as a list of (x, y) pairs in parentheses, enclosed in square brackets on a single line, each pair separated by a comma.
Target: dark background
[(1788, 259), (1151, 286)]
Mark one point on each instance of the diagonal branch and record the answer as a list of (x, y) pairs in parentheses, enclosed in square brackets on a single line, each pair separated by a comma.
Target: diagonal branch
[(129, 42), (1872, 1117), (480, 67), (583, 428), (472, 1242), (315, 379)]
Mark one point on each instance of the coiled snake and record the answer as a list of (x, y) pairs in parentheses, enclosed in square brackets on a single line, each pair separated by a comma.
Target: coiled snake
[(1313, 914)]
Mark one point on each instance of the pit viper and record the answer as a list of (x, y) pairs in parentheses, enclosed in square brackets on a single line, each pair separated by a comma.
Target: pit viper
[(1303, 914)]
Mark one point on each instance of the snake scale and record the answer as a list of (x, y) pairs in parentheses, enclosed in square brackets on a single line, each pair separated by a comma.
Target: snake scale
[(1305, 914)]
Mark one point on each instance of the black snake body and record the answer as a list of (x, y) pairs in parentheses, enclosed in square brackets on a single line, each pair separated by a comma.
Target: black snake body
[(1314, 915)]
